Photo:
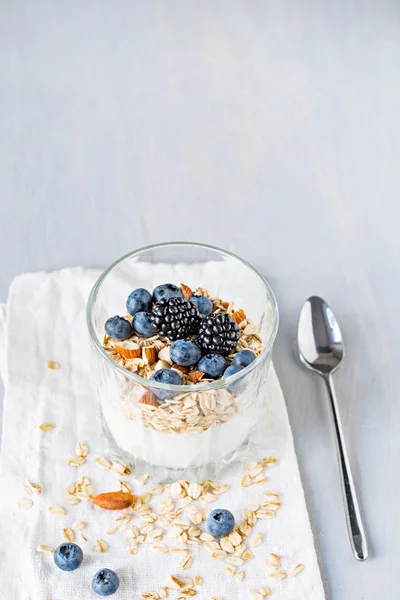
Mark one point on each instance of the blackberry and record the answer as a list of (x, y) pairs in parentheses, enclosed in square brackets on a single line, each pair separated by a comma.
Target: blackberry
[(175, 318), (218, 334)]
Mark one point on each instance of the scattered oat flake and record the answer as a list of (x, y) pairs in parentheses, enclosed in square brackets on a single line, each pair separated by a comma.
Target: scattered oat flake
[(44, 548), (172, 583), (81, 449), (185, 563), (79, 525), (46, 426), (256, 540), (162, 592), (56, 510), (277, 575), (296, 570), (101, 546), (273, 560), (239, 575), (269, 460), (227, 546), (72, 499), (51, 364), (254, 595), (32, 488), (76, 461), (120, 468), (197, 580), (103, 463), (25, 504), (230, 571), (67, 534), (264, 591), (235, 538), (246, 481)]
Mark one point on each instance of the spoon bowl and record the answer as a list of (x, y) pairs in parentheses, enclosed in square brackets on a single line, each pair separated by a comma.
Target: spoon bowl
[(319, 337)]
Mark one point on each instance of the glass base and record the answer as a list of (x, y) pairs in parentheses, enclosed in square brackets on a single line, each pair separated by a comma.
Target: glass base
[(159, 474)]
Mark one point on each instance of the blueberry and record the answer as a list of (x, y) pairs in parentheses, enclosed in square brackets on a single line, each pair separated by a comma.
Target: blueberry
[(105, 582), (169, 376), (233, 369), (118, 328), (167, 290), (138, 300), (220, 522), (237, 386), (213, 365), (244, 358), (68, 557), (203, 304), (185, 353), (142, 325)]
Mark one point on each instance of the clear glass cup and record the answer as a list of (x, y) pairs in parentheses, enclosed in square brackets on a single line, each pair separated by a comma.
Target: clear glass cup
[(171, 449)]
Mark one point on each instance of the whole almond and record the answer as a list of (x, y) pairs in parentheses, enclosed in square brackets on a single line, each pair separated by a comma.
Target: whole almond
[(128, 349), (238, 316), (149, 355), (148, 398), (114, 500)]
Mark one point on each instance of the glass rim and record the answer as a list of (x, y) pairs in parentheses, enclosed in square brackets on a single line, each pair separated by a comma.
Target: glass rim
[(181, 388)]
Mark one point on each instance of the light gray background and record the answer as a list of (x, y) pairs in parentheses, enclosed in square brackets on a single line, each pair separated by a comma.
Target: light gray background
[(270, 128)]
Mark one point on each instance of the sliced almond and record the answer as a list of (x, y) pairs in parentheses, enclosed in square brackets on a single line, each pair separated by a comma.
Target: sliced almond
[(186, 291), (195, 376), (149, 399), (128, 349), (149, 355), (114, 500)]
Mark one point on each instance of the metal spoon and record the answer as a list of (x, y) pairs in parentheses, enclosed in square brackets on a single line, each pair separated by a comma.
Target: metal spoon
[(321, 350)]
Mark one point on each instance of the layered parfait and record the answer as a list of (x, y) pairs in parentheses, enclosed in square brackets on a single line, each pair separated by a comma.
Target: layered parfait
[(179, 337)]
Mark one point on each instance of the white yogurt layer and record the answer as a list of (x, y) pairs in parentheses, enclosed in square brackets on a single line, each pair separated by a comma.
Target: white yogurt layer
[(178, 450)]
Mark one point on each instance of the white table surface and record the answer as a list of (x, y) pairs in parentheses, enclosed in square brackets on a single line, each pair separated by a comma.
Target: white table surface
[(270, 128)]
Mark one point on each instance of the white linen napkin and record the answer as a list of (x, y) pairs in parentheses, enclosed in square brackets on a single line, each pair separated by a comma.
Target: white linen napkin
[(45, 320)]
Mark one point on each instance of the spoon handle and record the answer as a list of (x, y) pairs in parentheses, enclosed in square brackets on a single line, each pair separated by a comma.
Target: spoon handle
[(355, 526)]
